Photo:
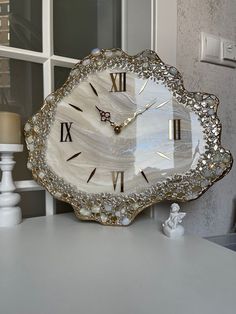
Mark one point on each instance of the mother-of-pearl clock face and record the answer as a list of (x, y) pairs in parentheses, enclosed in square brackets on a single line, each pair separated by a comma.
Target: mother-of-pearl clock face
[(158, 136), (122, 134)]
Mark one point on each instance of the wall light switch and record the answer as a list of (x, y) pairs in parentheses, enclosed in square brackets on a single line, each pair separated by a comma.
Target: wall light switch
[(210, 48), (217, 50)]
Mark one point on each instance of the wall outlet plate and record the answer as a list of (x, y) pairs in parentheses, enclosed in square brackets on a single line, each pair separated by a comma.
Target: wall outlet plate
[(216, 50), (229, 50)]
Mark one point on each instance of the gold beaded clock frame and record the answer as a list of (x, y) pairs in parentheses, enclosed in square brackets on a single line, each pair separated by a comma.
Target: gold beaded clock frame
[(212, 165)]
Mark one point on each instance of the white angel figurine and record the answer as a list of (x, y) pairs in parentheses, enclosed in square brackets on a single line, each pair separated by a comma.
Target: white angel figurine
[(172, 227)]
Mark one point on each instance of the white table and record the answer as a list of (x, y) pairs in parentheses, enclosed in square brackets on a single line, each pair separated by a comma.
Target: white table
[(58, 265)]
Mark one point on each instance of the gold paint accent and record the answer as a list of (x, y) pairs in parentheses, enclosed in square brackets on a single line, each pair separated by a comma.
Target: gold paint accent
[(163, 155), (143, 87), (163, 104)]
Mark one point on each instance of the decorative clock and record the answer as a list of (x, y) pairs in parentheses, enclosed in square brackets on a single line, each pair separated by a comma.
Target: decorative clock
[(122, 134)]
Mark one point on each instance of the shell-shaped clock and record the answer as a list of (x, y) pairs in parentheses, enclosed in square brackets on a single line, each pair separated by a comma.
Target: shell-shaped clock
[(123, 133)]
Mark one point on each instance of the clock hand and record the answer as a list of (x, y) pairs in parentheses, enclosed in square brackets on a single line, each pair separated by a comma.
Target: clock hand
[(105, 116), (138, 112), (141, 111)]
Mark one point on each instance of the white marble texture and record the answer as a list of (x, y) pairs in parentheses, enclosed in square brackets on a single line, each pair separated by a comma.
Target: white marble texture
[(214, 212), (135, 148)]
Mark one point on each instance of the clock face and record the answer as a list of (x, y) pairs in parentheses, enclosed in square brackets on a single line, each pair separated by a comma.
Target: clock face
[(158, 136), (123, 133)]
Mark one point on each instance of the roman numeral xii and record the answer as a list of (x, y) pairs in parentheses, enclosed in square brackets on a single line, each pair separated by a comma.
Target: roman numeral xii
[(118, 82)]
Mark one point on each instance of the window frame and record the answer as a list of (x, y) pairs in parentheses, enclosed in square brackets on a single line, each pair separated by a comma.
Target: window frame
[(49, 60)]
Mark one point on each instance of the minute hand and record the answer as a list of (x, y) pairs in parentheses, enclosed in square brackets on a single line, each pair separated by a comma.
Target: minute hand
[(141, 111)]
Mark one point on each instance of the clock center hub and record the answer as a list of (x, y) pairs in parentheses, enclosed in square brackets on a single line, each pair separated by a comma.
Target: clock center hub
[(117, 129)]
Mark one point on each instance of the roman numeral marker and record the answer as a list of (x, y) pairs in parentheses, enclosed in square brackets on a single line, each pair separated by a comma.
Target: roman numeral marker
[(74, 156), (144, 175), (75, 107), (175, 129), (65, 132), (118, 82), (91, 174), (115, 178)]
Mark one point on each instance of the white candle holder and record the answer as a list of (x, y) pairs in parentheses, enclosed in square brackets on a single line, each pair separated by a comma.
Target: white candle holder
[(10, 214)]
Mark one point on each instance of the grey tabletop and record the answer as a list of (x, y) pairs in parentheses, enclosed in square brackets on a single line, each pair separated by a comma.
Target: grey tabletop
[(59, 265)]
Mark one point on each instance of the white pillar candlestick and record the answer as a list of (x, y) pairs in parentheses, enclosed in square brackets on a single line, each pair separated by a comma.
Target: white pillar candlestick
[(10, 214)]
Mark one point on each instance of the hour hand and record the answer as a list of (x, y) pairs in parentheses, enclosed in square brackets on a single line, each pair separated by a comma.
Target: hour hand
[(105, 115)]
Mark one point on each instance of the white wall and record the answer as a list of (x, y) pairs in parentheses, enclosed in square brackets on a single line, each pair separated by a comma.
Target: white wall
[(214, 212)]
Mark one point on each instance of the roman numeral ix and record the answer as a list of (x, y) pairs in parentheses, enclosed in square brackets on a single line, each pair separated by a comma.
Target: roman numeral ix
[(118, 82), (116, 175), (65, 132)]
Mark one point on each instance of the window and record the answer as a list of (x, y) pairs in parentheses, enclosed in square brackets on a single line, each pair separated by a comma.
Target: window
[(40, 40), (36, 55)]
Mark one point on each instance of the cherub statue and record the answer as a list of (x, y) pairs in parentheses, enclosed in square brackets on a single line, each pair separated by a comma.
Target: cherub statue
[(172, 227)]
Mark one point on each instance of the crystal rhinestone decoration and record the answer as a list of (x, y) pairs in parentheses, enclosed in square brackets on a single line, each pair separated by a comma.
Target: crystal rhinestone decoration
[(121, 209)]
